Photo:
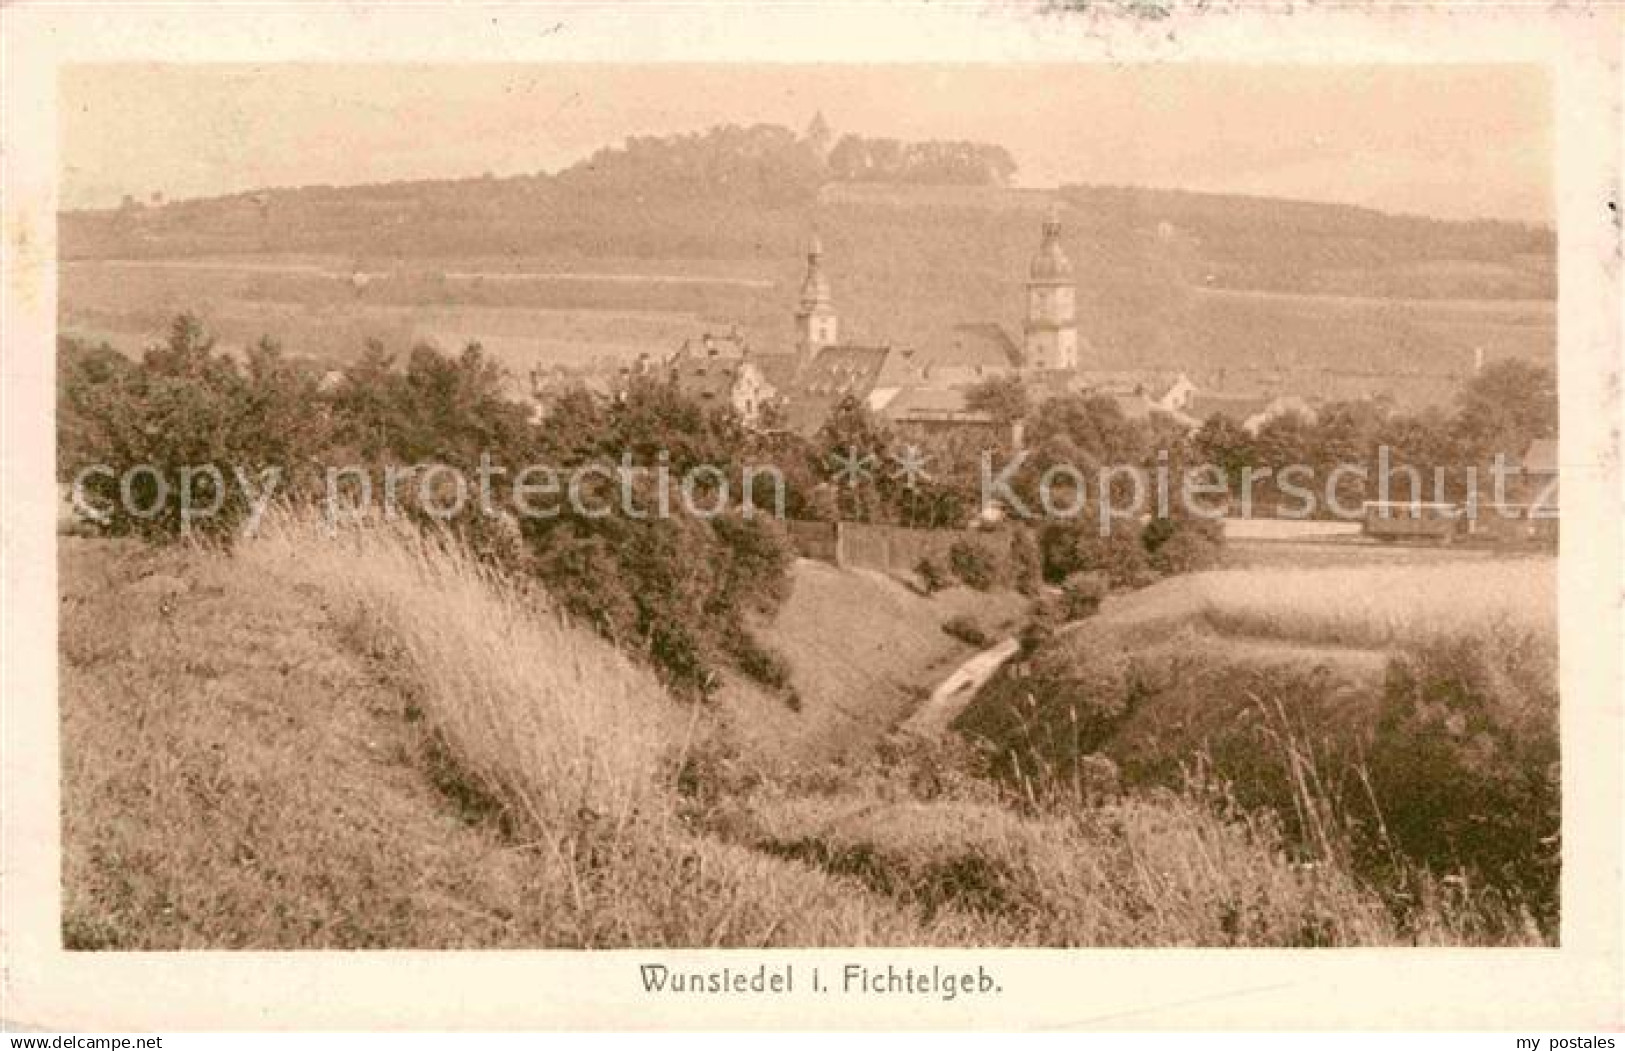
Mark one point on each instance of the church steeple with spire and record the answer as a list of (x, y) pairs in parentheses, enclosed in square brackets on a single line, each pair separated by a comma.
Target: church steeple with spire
[(1051, 329), (816, 323)]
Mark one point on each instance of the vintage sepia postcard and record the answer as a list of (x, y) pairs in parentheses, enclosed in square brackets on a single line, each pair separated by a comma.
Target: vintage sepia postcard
[(1060, 515)]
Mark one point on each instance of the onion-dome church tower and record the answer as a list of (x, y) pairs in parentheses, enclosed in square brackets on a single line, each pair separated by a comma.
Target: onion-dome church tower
[(816, 324), (1051, 330)]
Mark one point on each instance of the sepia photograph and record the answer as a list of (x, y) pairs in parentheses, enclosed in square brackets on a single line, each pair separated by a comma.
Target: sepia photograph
[(873, 514), (794, 503)]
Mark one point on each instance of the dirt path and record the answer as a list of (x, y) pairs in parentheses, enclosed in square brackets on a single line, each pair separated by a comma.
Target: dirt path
[(955, 692)]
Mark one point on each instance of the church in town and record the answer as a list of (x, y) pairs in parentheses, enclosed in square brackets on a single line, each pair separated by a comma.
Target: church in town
[(797, 388), (924, 391), (1050, 333)]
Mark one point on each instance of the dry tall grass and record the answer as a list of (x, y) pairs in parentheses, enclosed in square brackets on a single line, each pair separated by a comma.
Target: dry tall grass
[(549, 721)]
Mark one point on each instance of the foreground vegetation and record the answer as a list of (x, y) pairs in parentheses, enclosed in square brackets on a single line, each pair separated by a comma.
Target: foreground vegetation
[(1401, 720), (369, 738)]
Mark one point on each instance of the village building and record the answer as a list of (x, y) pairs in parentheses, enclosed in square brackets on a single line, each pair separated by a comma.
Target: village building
[(718, 371), (928, 412), (1175, 395), (1139, 394), (827, 371), (870, 374), (923, 392), (817, 324), (970, 353), (1252, 411)]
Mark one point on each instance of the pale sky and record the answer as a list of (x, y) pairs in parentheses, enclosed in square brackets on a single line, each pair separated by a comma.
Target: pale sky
[(1449, 141)]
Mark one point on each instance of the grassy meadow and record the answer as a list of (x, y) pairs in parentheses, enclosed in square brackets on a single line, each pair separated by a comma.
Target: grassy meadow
[(366, 740)]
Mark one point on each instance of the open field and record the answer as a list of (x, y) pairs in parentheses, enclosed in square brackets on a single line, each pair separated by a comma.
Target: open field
[(1250, 553), (1378, 607), (584, 320), (608, 312)]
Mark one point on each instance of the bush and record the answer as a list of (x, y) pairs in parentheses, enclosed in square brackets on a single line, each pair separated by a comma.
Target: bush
[(761, 662), (1070, 547), (174, 439), (933, 576), (1082, 594), (966, 630), (1182, 545), (1464, 763), (976, 564), (678, 589)]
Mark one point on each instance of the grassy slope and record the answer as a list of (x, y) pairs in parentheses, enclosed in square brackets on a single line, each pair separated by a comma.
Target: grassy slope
[(238, 774), (235, 778), (364, 742), (863, 647)]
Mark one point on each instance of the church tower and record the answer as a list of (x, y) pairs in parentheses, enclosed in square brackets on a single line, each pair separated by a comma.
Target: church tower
[(816, 324), (1051, 330)]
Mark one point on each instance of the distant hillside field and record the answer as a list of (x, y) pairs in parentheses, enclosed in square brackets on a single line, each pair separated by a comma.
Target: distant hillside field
[(1329, 299)]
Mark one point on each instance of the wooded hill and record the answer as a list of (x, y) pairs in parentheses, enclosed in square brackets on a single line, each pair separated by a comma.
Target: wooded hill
[(931, 237)]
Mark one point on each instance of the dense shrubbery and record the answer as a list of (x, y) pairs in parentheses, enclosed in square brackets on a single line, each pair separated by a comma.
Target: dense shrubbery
[(1129, 555), (1082, 593), (680, 589), (1465, 757), (185, 418), (1182, 545), (977, 565), (1076, 547), (1026, 563)]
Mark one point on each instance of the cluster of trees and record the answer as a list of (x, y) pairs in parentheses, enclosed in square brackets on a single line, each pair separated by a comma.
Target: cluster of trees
[(1056, 513), (858, 159), (186, 415), (1496, 414), (682, 590), (769, 163), (764, 163)]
